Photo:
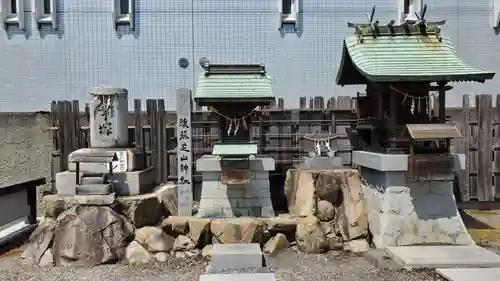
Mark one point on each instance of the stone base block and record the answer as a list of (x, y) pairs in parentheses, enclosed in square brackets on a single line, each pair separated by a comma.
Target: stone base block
[(210, 163), (321, 162), (468, 274), (238, 276), (129, 159), (128, 183), (222, 201), (96, 200), (443, 257), (236, 256), (402, 213)]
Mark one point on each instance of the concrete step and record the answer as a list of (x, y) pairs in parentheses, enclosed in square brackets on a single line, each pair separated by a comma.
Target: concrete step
[(443, 256), (470, 274), (236, 256), (240, 277)]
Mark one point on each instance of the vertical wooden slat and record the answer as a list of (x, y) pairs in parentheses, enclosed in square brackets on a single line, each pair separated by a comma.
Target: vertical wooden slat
[(55, 166), (464, 180), (162, 142), (282, 156), (484, 173), (151, 112), (77, 142), (137, 123), (496, 146), (333, 122)]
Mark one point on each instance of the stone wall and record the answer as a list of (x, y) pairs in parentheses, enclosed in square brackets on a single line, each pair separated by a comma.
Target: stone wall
[(25, 147), (402, 213)]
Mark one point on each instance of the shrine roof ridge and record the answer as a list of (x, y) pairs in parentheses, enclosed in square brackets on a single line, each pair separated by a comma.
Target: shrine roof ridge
[(234, 69)]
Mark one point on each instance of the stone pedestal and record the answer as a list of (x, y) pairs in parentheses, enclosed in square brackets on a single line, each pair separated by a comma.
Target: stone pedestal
[(130, 175), (322, 162), (404, 213), (219, 200)]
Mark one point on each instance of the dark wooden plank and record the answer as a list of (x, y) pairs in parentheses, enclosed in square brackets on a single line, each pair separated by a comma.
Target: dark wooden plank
[(151, 111), (464, 180), (54, 160), (75, 106), (61, 135), (484, 173), (162, 142), (496, 145), (138, 123)]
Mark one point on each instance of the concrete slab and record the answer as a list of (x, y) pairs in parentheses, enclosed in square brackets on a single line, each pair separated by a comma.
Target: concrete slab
[(236, 256), (239, 277), (443, 256), (469, 274)]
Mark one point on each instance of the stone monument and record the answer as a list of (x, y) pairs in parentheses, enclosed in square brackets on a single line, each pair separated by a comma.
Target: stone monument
[(110, 165), (235, 178)]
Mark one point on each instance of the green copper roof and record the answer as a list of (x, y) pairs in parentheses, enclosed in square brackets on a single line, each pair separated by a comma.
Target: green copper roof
[(403, 56), (234, 149), (241, 83)]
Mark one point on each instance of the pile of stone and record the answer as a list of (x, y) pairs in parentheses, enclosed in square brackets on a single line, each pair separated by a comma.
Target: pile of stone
[(333, 205), (327, 211), (95, 229)]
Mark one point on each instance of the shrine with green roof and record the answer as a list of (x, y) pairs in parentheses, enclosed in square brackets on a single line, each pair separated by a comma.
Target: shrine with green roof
[(234, 92), (400, 146)]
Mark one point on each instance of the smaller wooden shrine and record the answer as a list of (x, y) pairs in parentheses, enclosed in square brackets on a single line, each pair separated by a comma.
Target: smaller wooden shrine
[(234, 92)]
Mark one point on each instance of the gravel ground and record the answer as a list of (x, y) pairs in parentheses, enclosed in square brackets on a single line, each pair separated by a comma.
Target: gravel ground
[(289, 265)]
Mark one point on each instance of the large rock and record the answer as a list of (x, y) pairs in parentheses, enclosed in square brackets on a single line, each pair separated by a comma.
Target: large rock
[(183, 243), (237, 230), (356, 246), (276, 244), (53, 205), (351, 217), (282, 224), (90, 235), (325, 211), (199, 231), (39, 243), (136, 254), (176, 225), (305, 187), (167, 195), (154, 239), (310, 237), (300, 192), (142, 210), (207, 251)]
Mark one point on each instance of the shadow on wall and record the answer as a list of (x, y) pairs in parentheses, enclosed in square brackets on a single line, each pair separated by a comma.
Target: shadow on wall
[(25, 148)]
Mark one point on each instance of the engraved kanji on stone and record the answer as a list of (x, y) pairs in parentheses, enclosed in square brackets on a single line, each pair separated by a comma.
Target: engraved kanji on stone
[(183, 122)]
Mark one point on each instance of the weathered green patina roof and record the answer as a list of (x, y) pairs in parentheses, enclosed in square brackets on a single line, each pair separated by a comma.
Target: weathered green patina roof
[(403, 54), (234, 83), (234, 149)]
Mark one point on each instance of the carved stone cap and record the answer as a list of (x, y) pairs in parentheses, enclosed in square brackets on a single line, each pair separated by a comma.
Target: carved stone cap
[(107, 91)]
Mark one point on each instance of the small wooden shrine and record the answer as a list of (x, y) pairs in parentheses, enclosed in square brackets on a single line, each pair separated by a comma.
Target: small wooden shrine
[(402, 66), (235, 179)]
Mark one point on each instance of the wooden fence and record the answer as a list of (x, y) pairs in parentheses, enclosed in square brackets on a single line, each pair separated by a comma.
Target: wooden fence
[(279, 132)]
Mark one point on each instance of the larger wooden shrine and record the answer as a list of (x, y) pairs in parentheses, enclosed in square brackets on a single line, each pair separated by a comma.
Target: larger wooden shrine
[(402, 66)]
